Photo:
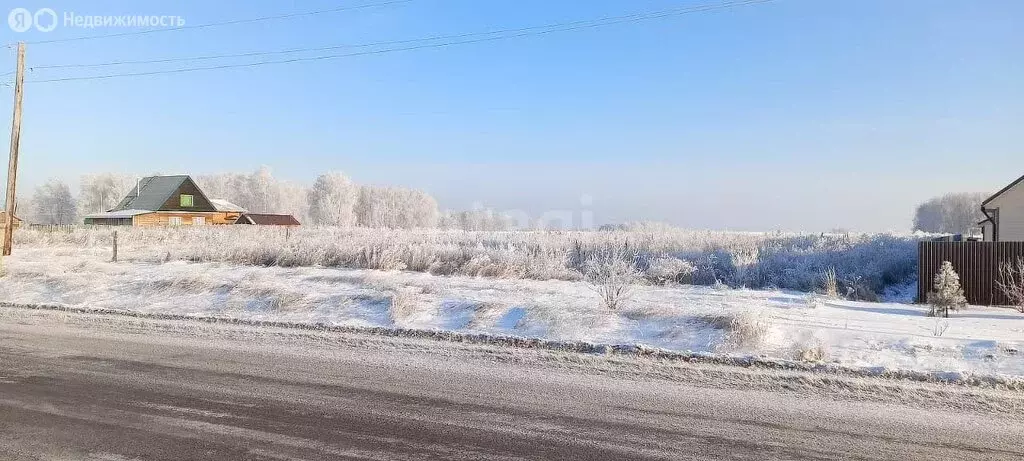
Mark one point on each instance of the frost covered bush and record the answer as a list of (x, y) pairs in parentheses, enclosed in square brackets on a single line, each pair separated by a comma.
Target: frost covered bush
[(858, 289), (755, 260), (946, 294), (830, 282), (665, 270), (613, 278), (1011, 282)]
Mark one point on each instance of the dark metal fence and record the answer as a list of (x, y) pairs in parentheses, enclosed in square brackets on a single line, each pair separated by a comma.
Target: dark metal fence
[(977, 263)]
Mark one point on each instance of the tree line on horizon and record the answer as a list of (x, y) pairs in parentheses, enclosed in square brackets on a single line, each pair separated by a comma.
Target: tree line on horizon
[(332, 200), (335, 200)]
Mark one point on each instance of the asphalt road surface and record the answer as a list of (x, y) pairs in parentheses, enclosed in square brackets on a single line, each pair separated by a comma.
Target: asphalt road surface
[(107, 389)]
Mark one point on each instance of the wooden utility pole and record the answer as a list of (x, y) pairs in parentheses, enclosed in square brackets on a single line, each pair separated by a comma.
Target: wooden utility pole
[(12, 165)]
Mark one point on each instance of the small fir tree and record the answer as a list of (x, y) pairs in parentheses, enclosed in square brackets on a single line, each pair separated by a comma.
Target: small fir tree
[(947, 294)]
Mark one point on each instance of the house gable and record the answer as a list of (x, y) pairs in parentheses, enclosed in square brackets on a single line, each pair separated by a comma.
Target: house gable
[(1006, 208), (996, 197), (187, 188)]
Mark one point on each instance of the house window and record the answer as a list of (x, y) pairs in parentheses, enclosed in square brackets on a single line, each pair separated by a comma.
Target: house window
[(187, 201), (198, 221), (174, 220)]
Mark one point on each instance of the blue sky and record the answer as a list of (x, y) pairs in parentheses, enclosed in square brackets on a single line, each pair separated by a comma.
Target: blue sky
[(792, 115)]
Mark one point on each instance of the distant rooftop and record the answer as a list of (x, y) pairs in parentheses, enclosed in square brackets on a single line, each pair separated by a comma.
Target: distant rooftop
[(268, 219), (226, 206)]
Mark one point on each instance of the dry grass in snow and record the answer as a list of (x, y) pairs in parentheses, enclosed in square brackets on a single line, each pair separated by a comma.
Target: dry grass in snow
[(861, 265)]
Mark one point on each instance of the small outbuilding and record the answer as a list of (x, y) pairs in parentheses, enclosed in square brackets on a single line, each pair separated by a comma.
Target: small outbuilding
[(262, 219), (3, 220)]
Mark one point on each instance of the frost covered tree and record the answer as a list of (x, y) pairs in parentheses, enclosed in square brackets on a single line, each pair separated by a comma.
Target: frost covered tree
[(52, 203), (946, 294), (951, 213), (255, 192), (102, 192), (476, 220), (292, 199), (396, 208), (218, 186), (332, 200), (258, 192), (261, 191)]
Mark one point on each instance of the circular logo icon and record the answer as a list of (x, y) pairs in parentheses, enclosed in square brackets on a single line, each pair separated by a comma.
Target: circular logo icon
[(20, 19), (44, 25)]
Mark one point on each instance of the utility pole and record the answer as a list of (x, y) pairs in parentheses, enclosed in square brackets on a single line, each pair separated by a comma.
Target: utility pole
[(12, 166)]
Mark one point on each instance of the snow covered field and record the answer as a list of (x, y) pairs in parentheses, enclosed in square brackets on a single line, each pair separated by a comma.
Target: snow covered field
[(774, 323)]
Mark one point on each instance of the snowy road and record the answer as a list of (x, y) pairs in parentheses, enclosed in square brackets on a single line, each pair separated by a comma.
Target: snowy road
[(101, 387)]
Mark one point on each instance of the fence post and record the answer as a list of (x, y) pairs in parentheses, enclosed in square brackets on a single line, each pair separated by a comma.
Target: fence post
[(115, 247)]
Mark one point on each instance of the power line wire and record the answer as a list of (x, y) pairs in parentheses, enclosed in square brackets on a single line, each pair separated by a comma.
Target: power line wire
[(577, 25), (384, 43), (225, 23)]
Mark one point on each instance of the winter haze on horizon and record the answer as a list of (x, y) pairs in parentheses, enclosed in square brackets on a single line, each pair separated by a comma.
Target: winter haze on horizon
[(785, 115)]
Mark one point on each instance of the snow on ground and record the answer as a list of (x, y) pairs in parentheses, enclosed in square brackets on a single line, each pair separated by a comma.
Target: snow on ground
[(778, 324)]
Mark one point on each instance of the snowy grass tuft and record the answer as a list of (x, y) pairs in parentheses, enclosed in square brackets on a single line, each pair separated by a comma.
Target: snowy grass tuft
[(402, 305), (811, 350), (743, 330)]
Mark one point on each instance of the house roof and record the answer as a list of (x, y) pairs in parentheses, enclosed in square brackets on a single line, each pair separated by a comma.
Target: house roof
[(226, 206), (1002, 191), (118, 214), (269, 219), (155, 191)]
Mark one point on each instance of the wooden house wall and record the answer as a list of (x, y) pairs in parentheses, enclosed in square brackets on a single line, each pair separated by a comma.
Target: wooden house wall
[(162, 218)]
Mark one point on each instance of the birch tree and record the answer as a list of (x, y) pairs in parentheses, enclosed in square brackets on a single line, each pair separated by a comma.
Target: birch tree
[(52, 203), (102, 192), (396, 208), (332, 200)]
